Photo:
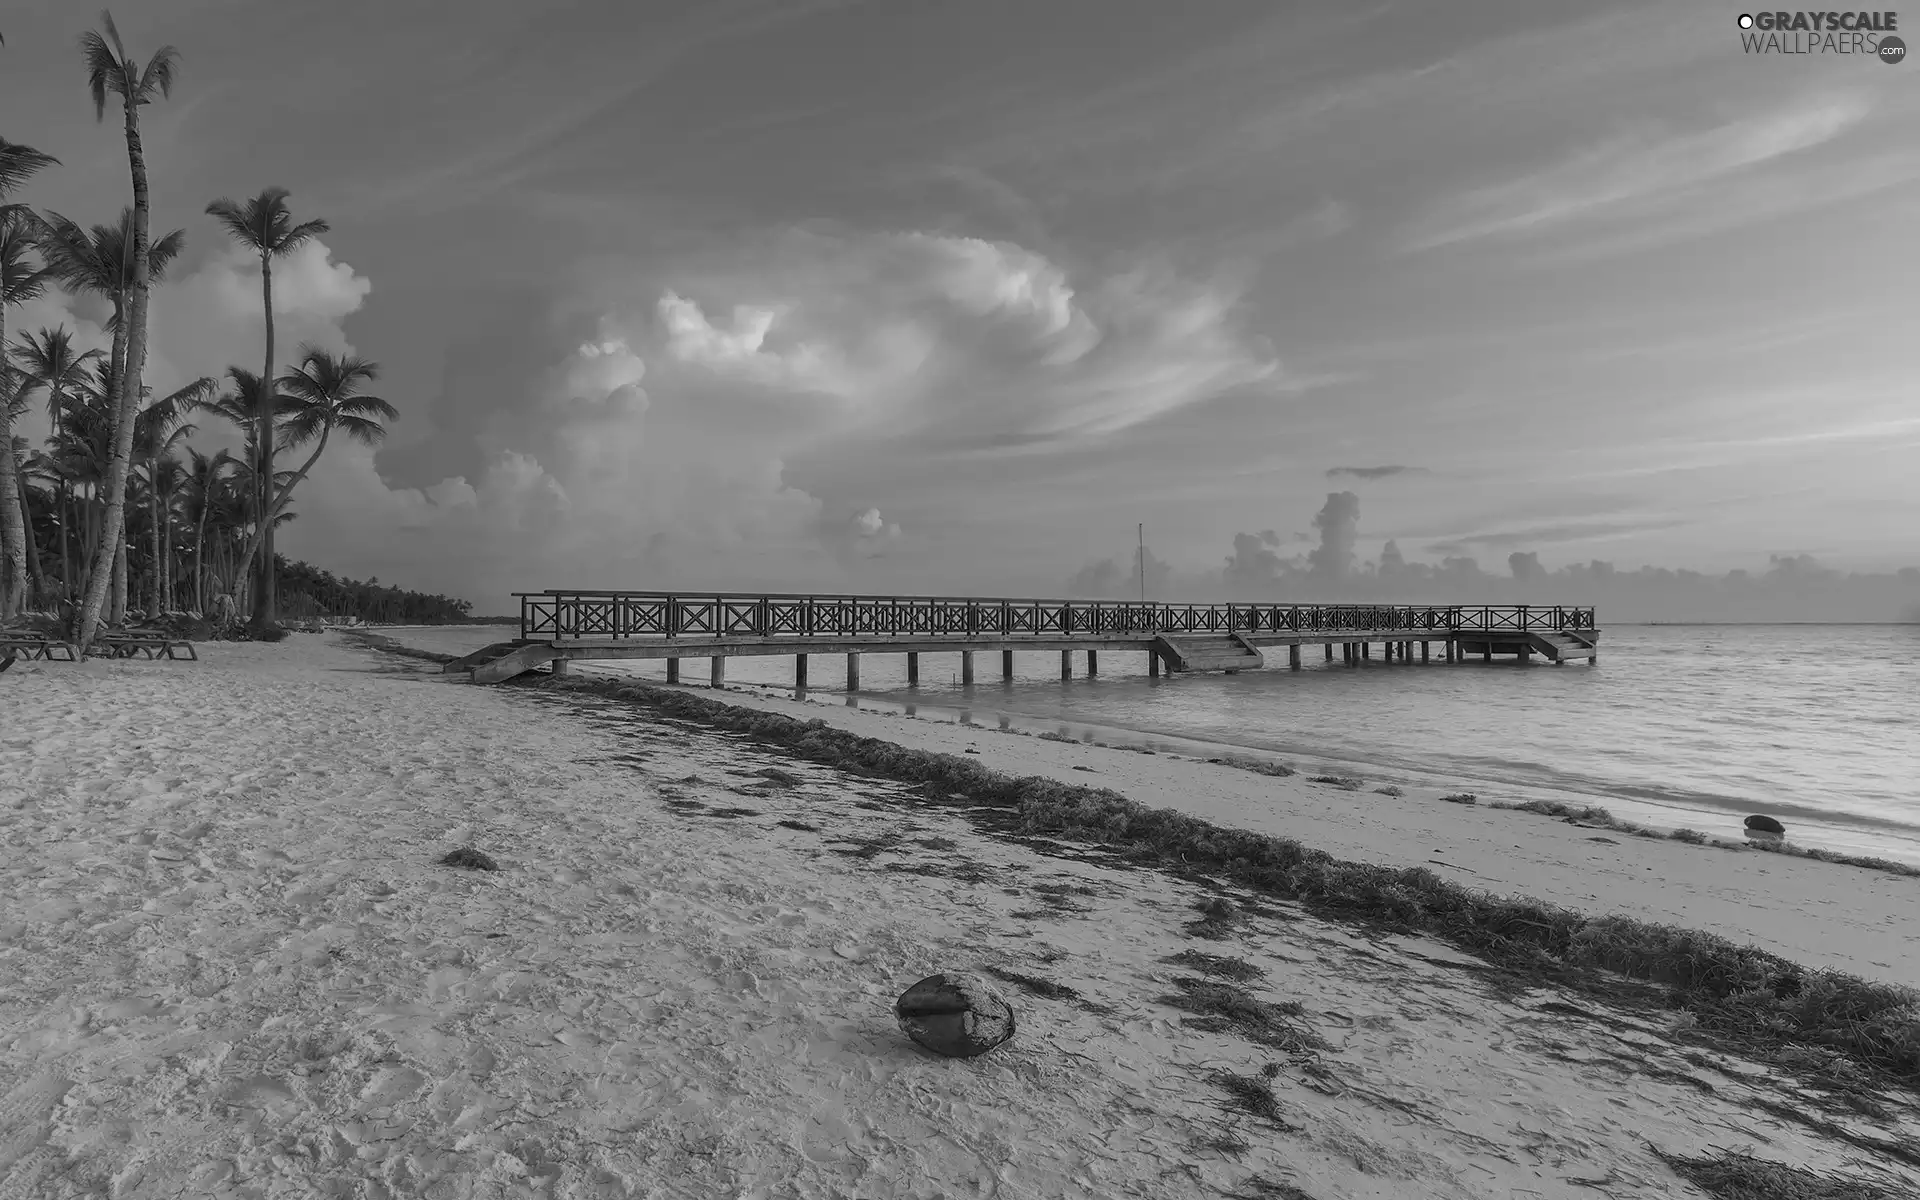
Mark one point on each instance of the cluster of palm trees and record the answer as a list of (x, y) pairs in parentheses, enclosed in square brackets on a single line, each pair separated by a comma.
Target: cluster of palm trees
[(109, 505)]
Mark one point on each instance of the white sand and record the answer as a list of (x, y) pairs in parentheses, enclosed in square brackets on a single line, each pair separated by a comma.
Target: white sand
[(229, 966)]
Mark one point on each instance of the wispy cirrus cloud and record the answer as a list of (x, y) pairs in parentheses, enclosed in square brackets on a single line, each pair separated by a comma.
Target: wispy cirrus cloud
[(1635, 168), (1555, 534), (1374, 472)]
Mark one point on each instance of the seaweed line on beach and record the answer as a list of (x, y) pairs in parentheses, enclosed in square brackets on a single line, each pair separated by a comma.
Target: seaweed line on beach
[(1736, 996)]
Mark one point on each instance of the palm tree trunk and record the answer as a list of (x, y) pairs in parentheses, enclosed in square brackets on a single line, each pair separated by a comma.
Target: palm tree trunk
[(129, 398), (66, 554), (13, 531), (168, 601), (263, 596), (153, 514), (200, 559), (117, 603), (34, 569), (262, 543)]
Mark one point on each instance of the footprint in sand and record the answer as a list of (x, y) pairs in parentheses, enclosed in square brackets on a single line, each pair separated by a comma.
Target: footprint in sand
[(391, 1085)]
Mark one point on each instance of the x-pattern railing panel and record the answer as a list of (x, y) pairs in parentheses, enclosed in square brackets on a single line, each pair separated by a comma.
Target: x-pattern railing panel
[(648, 615)]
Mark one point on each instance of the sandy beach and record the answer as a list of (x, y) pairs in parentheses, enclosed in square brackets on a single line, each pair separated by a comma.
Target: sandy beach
[(230, 965)]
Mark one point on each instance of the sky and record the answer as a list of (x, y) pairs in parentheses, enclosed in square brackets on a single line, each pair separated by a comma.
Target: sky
[(923, 298)]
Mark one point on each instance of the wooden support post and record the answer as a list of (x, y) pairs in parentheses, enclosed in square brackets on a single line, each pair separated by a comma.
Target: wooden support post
[(1453, 653), (563, 666), (1153, 664), (1066, 664), (1093, 663), (719, 670), (1526, 653), (913, 668), (1426, 652), (673, 670), (1293, 657), (1006, 664), (1329, 649), (1486, 652), (853, 672), (1592, 659), (799, 672), (1366, 650), (966, 667)]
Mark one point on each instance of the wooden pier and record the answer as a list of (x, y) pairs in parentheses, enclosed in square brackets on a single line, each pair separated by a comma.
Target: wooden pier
[(558, 628)]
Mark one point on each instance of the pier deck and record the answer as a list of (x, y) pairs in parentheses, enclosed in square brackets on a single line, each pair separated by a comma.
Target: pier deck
[(561, 627)]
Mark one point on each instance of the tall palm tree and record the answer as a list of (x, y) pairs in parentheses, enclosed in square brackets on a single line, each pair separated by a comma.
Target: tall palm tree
[(110, 69), (264, 226), (242, 404), (167, 480), (100, 260), (14, 395), (206, 478), (21, 279), (49, 361), (157, 430)]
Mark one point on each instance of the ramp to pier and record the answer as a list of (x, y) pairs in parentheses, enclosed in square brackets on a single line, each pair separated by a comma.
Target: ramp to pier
[(1561, 646), (503, 660), (1209, 652)]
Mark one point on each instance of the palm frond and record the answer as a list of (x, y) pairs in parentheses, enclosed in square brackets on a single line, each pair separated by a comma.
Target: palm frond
[(19, 162), (234, 218), (106, 71), (159, 75)]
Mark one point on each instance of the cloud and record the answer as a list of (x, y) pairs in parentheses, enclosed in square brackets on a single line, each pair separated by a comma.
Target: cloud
[(1374, 472), (1339, 524), (1634, 168), (661, 447), (1565, 532)]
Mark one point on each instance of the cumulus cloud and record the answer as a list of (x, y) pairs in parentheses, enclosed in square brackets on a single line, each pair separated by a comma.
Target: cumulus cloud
[(662, 444), (1339, 524)]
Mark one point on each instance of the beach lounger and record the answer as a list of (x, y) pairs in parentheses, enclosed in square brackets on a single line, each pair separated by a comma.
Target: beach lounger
[(6, 664), (31, 644), (153, 643)]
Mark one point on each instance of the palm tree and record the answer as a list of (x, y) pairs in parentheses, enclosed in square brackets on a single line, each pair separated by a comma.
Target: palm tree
[(49, 361), (157, 430), (111, 70), (205, 480), (264, 225), (324, 393), (13, 405), (242, 404), (21, 279), (167, 481), (100, 260)]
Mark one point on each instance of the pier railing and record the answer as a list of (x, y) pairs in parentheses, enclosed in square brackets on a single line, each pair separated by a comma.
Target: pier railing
[(649, 616)]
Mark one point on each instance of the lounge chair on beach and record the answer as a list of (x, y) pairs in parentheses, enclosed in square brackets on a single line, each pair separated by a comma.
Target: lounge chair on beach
[(154, 643), (32, 644)]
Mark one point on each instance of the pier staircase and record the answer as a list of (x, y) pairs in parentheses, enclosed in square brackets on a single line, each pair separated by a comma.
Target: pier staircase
[(1563, 646), (502, 661), (1209, 652)]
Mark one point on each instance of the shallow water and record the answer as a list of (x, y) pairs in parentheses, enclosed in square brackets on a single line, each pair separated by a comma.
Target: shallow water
[(1676, 725)]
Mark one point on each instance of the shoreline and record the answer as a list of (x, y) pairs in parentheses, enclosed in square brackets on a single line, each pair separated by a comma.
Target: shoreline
[(1671, 815), (238, 968), (1810, 827), (1782, 901)]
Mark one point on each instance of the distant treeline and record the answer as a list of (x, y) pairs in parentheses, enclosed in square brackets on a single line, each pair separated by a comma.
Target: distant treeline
[(308, 591)]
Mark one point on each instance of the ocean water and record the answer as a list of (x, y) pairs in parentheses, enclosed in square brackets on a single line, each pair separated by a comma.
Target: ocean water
[(1699, 726)]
